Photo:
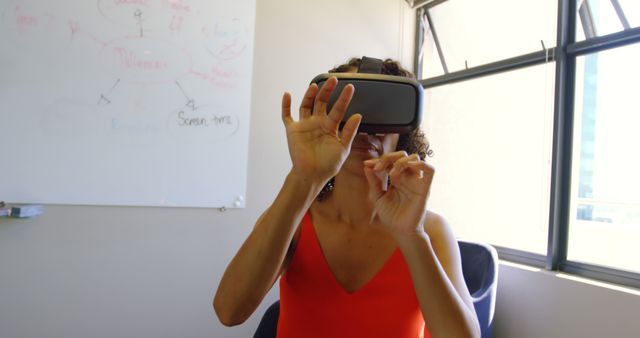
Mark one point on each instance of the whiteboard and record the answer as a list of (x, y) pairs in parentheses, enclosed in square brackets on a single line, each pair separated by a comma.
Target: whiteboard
[(125, 102)]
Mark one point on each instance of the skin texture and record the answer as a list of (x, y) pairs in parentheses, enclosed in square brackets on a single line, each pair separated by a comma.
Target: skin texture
[(358, 226)]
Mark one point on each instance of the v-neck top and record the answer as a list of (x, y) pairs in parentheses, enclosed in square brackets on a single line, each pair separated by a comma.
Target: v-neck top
[(313, 304)]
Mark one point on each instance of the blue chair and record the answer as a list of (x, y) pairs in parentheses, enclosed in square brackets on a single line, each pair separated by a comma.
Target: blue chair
[(268, 326), (480, 269)]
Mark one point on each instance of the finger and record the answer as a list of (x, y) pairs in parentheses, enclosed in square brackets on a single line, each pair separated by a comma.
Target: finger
[(350, 130), (286, 108), (322, 99), (383, 176), (401, 162), (307, 101), (375, 184), (427, 170), (377, 188), (405, 170), (387, 160), (371, 162), (340, 107), (418, 169), (404, 159), (422, 165)]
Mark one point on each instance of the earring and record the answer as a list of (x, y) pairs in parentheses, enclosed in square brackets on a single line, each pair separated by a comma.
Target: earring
[(326, 190)]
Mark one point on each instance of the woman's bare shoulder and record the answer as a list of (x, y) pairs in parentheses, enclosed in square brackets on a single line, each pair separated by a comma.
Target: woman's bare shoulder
[(435, 223), (439, 230)]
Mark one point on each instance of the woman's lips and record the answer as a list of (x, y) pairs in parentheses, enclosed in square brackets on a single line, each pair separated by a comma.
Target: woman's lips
[(364, 148)]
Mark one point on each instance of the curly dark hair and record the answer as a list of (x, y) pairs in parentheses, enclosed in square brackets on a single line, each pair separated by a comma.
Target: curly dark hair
[(413, 142)]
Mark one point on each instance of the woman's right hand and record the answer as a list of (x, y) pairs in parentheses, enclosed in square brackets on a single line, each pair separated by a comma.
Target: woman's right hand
[(316, 147)]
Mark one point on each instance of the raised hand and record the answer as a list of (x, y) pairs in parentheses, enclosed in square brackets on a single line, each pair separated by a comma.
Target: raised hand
[(316, 148), (401, 207)]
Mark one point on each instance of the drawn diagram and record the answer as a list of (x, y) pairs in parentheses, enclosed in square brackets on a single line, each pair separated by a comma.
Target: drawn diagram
[(95, 77), (147, 52)]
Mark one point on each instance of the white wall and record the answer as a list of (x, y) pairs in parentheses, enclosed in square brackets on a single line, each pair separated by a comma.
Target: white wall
[(536, 304), (152, 272)]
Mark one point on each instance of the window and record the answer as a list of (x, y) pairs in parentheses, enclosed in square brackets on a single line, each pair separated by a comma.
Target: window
[(602, 17), (473, 33), (605, 208), (491, 139), (631, 10), (535, 145)]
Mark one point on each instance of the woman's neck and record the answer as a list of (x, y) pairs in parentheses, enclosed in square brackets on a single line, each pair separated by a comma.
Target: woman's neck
[(349, 202)]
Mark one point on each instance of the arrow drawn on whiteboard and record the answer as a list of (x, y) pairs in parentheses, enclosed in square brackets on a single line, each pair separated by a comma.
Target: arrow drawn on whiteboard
[(104, 98), (138, 15), (190, 102)]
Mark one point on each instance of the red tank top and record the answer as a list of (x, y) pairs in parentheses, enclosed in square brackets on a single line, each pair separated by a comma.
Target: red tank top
[(314, 304)]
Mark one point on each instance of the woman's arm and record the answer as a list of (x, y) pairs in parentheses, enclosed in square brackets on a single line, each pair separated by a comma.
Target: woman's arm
[(317, 152), (426, 241), (434, 262), (259, 261)]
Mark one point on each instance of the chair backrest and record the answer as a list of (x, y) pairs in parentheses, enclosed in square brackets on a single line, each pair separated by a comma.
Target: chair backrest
[(268, 326), (480, 269)]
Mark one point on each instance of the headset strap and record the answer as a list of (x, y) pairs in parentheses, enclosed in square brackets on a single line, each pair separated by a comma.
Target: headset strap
[(370, 65)]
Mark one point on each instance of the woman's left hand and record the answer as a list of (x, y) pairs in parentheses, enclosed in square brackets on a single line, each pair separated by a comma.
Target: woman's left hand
[(401, 207)]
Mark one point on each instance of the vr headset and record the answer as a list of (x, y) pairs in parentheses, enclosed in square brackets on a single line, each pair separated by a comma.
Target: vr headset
[(387, 103)]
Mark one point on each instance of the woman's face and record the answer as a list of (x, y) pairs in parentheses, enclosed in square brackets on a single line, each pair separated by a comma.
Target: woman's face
[(365, 147)]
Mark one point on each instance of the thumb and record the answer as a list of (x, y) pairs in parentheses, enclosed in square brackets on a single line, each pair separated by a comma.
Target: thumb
[(375, 184), (350, 130)]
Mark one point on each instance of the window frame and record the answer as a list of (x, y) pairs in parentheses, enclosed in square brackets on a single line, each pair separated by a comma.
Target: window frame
[(564, 54)]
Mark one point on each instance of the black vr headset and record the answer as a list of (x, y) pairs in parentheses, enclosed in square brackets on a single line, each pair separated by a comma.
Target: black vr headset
[(387, 103)]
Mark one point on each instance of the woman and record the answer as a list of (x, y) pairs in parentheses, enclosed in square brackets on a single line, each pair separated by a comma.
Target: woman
[(356, 258)]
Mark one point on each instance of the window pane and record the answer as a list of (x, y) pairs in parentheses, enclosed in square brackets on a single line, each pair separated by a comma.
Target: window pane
[(604, 228), (631, 10), (491, 139), (599, 17), (482, 32)]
